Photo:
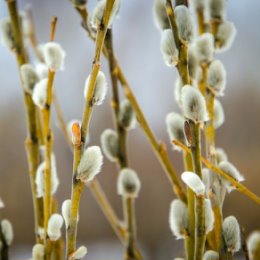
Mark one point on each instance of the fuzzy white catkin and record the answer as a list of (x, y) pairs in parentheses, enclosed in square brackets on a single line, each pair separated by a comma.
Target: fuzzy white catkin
[(253, 245), (2, 205), (79, 253), (128, 183), (217, 9), (54, 226), (99, 10), (40, 179), (7, 231), (160, 15), (219, 115), (209, 216), (177, 90), (193, 104), (216, 78), (175, 125), (232, 171), (109, 144), (39, 94), (90, 164), (211, 255), (205, 47), (193, 61), (221, 155), (231, 234), (7, 36), (184, 23), (65, 210), (29, 77), (168, 48), (178, 218), (126, 117), (41, 70), (54, 56), (225, 36), (100, 89), (38, 252), (193, 181)]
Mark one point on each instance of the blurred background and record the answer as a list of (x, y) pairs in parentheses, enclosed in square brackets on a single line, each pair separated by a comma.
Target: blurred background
[(137, 47)]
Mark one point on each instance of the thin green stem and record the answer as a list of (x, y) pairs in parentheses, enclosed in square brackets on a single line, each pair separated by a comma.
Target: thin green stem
[(95, 69), (129, 215), (77, 189), (200, 234), (128, 204), (32, 141), (190, 239), (48, 139)]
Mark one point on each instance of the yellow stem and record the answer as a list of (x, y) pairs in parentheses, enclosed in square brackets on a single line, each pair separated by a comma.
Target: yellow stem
[(190, 239), (200, 234), (239, 186), (32, 142)]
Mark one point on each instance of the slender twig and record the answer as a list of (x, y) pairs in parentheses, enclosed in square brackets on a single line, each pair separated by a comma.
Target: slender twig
[(200, 234), (190, 239), (215, 235), (239, 186), (77, 188), (32, 140), (128, 203), (48, 137)]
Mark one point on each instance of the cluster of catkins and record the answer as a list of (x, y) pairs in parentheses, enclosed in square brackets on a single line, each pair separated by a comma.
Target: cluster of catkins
[(50, 57), (191, 100), (6, 234)]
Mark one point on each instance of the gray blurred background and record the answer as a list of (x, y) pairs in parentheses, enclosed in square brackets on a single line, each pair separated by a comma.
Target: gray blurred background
[(137, 47)]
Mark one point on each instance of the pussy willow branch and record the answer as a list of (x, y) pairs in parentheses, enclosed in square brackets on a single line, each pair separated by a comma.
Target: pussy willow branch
[(159, 148), (240, 187), (214, 237), (128, 203), (77, 186), (195, 242), (32, 140), (200, 233), (48, 137), (96, 189)]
